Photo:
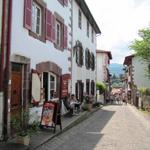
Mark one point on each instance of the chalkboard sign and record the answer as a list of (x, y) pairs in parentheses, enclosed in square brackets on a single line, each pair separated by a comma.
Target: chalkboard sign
[(51, 115)]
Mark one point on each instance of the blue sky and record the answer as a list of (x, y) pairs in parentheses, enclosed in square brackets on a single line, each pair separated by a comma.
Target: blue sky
[(119, 21)]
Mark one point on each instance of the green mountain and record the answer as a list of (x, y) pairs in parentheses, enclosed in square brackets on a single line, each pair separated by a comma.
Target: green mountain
[(116, 69)]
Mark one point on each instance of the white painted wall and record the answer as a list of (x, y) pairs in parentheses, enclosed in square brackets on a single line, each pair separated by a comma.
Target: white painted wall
[(102, 64), (140, 77), (24, 44), (32, 48), (81, 73)]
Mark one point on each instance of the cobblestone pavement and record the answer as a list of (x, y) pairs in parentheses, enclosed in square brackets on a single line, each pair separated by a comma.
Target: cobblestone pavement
[(116, 127)]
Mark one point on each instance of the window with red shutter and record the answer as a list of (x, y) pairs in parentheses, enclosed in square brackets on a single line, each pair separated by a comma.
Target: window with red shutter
[(49, 25), (65, 36), (27, 14), (34, 18), (61, 33)]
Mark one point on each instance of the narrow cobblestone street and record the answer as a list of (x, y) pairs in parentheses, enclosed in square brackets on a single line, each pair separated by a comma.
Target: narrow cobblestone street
[(116, 127)]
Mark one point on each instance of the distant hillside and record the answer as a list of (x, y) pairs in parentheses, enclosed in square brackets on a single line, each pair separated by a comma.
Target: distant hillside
[(116, 69)]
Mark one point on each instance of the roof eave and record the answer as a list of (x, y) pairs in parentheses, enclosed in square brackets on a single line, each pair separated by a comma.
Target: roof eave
[(82, 4)]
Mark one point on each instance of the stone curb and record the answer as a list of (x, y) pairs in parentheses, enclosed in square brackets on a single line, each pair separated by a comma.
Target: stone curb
[(73, 123)]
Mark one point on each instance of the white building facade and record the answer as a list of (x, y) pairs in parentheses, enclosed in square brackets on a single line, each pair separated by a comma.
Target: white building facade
[(102, 73), (84, 31), (135, 77), (50, 41), (40, 53), (140, 76), (103, 60)]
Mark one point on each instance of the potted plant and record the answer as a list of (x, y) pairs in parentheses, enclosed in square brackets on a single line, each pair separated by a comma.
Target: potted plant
[(87, 103), (23, 130)]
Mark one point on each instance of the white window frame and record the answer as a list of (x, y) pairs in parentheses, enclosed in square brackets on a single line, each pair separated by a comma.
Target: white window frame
[(55, 84), (35, 25), (58, 33)]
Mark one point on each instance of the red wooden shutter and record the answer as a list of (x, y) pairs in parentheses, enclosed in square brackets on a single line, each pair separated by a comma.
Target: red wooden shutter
[(36, 87), (53, 29), (48, 25), (28, 14), (66, 2), (65, 36)]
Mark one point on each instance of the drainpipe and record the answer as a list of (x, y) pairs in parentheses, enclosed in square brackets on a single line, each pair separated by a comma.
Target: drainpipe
[(6, 62), (71, 45), (2, 56), (3, 33)]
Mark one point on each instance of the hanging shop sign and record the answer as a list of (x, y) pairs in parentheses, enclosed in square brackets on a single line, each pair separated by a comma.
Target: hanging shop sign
[(65, 85)]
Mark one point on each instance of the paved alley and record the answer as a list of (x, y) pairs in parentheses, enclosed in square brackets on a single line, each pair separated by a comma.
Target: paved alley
[(115, 127)]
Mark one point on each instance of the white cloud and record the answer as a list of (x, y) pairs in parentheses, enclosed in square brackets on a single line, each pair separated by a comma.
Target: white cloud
[(119, 21)]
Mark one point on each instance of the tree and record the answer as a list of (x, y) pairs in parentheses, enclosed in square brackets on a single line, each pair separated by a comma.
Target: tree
[(101, 87), (142, 46)]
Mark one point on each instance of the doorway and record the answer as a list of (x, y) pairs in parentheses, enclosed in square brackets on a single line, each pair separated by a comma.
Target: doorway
[(45, 85), (16, 92), (79, 90)]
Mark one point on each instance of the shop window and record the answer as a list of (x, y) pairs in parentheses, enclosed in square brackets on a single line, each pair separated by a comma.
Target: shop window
[(52, 85)]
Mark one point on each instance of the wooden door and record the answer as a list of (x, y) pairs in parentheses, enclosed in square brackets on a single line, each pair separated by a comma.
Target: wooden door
[(16, 91), (81, 89)]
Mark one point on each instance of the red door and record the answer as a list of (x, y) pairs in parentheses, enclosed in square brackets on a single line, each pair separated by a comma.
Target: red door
[(16, 88)]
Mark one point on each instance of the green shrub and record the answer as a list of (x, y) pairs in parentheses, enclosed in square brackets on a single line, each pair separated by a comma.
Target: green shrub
[(101, 87), (144, 91)]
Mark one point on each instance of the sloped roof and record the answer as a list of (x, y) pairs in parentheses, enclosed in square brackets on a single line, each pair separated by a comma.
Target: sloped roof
[(128, 60), (107, 52), (82, 4)]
